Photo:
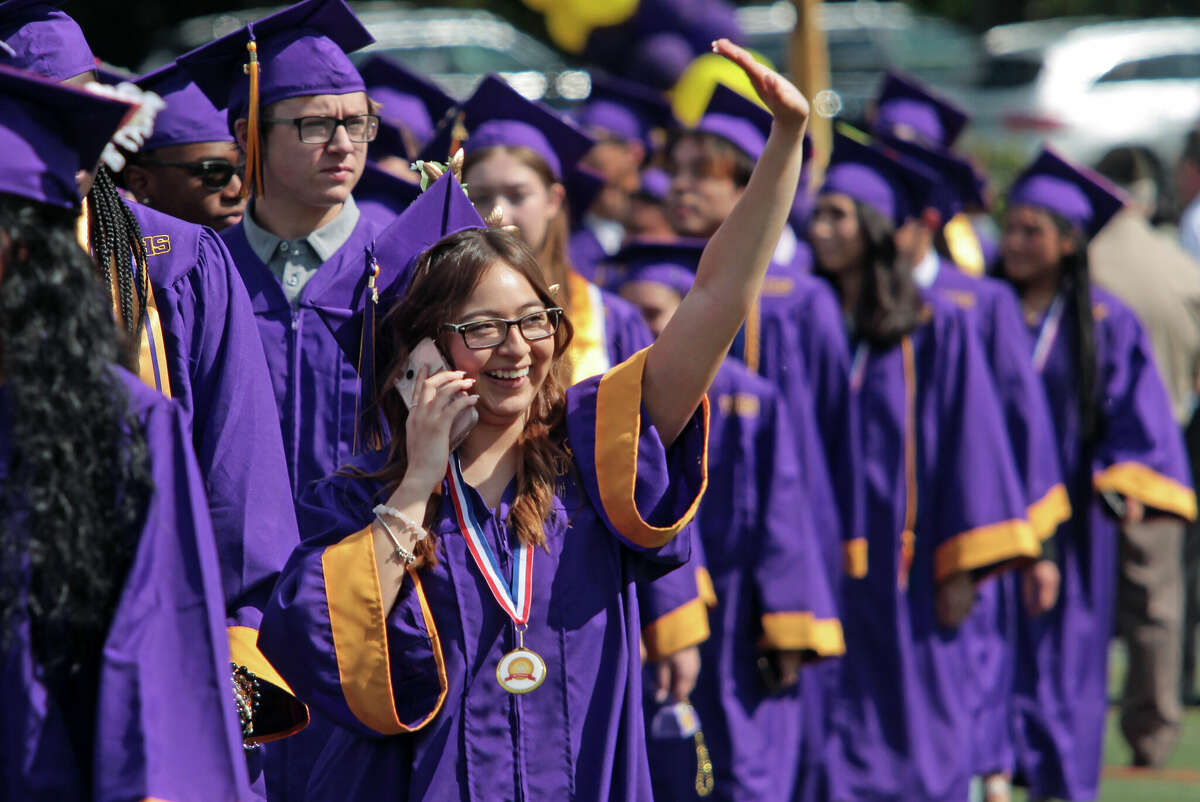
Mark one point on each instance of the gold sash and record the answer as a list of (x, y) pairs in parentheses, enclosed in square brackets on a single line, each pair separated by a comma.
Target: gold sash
[(588, 353)]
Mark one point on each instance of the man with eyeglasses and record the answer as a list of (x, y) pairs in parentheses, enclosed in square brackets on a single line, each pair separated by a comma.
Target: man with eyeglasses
[(190, 167), (299, 111)]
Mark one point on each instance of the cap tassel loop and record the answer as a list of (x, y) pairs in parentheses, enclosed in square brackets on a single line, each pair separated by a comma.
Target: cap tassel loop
[(253, 145)]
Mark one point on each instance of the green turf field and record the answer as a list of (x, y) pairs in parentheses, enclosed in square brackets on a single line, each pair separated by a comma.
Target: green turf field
[(1177, 781)]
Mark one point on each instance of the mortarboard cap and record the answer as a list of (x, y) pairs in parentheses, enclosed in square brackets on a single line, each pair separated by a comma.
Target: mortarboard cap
[(45, 40), (656, 183), (659, 59), (1076, 194), (297, 52), (379, 187), (904, 105), (626, 110), (958, 185), (440, 211), (893, 185), (496, 114), (188, 117), (672, 264), (48, 132), (408, 100), (737, 119)]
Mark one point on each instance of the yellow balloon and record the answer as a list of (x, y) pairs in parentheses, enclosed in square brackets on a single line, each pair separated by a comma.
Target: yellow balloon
[(599, 13), (693, 90), (569, 22), (567, 31)]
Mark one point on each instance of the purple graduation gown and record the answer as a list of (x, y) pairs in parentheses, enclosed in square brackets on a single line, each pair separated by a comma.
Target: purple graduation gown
[(795, 338), (1062, 669), (414, 688), (942, 497), (165, 724), (315, 384), (218, 375), (772, 592), (991, 629), (586, 252)]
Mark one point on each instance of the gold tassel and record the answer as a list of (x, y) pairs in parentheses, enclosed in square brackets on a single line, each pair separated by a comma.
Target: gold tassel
[(704, 767), (458, 135), (253, 146)]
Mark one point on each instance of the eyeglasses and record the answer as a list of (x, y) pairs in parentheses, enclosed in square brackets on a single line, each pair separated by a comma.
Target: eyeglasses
[(493, 331), (215, 174), (320, 130)]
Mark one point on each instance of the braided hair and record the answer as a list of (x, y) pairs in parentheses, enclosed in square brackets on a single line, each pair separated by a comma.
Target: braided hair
[(114, 231), (77, 478)]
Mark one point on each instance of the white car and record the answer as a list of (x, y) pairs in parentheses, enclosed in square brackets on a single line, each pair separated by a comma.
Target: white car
[(1086, 87)]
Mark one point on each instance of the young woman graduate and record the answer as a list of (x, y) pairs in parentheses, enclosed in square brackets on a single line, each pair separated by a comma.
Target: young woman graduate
[(114, 664), (175, 292), (578, 493), (1121, 452), (944, 505), (774, 607)]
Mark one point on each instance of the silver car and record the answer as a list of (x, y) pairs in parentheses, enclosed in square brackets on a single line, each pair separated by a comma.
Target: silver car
[(1086, 86)]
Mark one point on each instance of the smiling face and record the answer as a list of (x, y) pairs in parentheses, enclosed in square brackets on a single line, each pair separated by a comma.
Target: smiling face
[(509, 375), (501, 178), (316, 176), (1032, 244), (837, 238)]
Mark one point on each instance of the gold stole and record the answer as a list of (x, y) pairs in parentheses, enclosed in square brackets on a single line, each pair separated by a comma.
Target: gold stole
[(588, 353), (963, 245), (152, 361)]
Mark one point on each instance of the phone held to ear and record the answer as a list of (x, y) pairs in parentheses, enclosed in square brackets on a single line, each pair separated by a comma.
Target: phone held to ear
[(427, 355)]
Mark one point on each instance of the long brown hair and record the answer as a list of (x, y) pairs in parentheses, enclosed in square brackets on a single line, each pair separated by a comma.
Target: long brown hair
[(553, 253), (444, 277)]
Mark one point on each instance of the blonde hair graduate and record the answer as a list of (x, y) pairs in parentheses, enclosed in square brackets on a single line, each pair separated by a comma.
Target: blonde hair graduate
[(421, 616)]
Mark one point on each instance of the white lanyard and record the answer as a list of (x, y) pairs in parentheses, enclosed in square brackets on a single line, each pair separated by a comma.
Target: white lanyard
[(1047, 334)]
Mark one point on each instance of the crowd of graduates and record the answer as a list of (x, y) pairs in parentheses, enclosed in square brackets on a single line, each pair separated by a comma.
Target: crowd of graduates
[(357, 442)]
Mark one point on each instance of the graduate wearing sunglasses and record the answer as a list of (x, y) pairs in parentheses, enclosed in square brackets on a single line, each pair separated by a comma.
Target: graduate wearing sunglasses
[(190, 167)]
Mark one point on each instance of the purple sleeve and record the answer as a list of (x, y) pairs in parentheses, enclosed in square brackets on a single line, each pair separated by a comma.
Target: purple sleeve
[(644, 493), (166, 722), (1141, 452)]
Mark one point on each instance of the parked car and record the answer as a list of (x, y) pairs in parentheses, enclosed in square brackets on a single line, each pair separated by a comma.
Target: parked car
[(866, 38), (1086, 86), (453, 47)]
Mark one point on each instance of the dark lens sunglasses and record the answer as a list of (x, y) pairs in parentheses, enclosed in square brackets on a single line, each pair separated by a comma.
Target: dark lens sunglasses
[(215, 174)]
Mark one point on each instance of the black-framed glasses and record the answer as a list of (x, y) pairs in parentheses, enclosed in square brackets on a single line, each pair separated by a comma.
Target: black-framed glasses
[(215, 174), (320, 130), (493, 331)]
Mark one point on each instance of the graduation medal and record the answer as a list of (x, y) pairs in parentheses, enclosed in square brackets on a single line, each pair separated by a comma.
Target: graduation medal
[(521, 670)]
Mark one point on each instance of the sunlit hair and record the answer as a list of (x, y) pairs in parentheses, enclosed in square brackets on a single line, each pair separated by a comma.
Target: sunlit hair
[(444, 279), (553, 254), (722, 159)]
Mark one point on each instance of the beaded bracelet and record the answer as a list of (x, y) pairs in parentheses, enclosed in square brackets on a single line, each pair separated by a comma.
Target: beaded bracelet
[(402, 554), (414, 529)]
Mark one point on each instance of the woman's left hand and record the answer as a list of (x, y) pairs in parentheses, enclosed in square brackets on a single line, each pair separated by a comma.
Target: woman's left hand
[(785, 101)]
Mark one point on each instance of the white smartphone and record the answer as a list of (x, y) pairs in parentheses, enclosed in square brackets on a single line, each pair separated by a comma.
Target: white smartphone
[(427, 355)]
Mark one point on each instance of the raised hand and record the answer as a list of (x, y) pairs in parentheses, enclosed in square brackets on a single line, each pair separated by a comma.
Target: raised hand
[(785, 101)]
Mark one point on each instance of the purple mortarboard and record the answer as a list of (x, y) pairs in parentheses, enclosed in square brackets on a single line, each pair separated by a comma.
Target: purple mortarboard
[(496, 114), (625, 110), (1076, 194), (409, 100), (672, 264), (655, 185), (45, 40), (393, 140), (905, 106), (582, 186), (297, 52), (893, 185), (441, 210), (378, 186), (48, 132), (661, 58), (189, 116), (957, 186), (737, 119)]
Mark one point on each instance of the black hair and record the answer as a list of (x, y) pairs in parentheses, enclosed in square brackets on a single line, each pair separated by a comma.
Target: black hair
[(889, 303), (77, 480), (724, 158), (116, 237)]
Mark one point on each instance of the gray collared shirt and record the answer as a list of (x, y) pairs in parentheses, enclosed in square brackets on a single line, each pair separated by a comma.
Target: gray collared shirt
[(295, 261)]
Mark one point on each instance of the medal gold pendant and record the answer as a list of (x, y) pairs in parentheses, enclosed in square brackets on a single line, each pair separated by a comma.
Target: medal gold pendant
[(521, 670)]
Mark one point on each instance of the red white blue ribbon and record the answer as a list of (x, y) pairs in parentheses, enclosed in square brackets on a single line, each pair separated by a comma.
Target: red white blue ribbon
[(515, 599)]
